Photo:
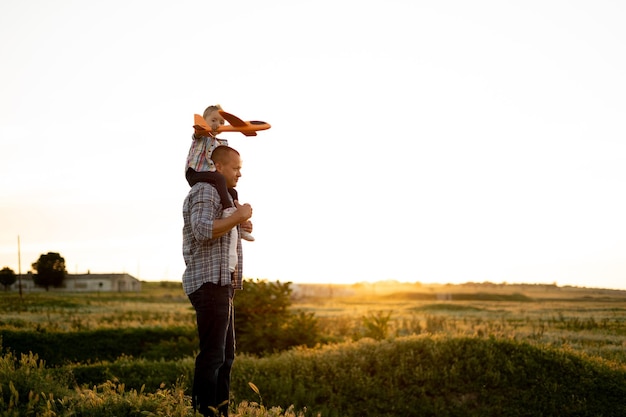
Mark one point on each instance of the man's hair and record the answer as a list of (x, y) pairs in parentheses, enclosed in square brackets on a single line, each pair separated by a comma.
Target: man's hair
[(221, 154), (211, 109)]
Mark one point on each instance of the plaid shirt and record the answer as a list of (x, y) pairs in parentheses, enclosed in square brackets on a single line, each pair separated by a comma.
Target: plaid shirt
[(199, 157), (206, 258)]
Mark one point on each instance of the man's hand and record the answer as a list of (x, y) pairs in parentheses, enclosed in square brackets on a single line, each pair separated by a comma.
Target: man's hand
[(245, 211), (224, 225)]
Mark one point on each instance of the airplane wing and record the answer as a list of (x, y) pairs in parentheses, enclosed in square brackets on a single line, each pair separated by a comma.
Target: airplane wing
[(232, 119), (245, 132), (236, 125)]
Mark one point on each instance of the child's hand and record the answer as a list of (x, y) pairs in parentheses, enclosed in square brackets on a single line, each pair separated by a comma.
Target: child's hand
[(247, 226), (201, 131)]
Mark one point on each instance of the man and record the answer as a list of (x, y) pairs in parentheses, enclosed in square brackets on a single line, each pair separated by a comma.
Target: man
[(213, 259)]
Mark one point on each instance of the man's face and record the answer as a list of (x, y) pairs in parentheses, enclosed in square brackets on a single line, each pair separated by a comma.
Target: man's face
[(230, 169), (214, 120)]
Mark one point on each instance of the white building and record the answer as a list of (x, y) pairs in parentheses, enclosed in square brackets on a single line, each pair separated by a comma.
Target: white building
[(84, 283)]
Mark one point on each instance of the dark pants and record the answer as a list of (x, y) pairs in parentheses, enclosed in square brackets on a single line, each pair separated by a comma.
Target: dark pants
[(217, 180), (215, 319)]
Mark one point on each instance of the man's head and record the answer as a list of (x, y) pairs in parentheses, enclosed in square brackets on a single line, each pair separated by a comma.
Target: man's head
[(213, 117), (228, 163)]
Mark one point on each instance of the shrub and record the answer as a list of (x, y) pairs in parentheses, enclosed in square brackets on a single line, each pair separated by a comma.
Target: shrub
[(377, 325), (435, 376), (58, 348), (415, 375), (25, 379), (264, 322), (134, 373)]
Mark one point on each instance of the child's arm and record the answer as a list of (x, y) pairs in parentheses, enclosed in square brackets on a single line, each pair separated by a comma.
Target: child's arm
[(201, 129), (200, 132)]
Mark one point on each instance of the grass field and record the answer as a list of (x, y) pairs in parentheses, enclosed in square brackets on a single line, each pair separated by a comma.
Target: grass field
[(386, 349), (591, 321)]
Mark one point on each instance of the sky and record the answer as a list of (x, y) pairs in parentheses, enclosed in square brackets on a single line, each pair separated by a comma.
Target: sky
[(439, 142)]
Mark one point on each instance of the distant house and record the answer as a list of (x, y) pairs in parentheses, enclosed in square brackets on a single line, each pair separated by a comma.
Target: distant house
[(85, 283)]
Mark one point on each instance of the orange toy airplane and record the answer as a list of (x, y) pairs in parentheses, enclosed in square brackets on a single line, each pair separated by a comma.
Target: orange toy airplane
[(236, 125)]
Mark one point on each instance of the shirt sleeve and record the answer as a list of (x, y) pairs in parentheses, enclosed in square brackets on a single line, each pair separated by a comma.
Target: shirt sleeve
[(203, 210)]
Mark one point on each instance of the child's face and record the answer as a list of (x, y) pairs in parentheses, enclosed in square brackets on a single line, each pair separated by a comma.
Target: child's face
[(214, 120)]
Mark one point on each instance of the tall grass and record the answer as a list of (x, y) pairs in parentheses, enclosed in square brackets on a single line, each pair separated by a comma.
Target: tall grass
[(548, 351), (416, 375), (28, 388), (441, 376)]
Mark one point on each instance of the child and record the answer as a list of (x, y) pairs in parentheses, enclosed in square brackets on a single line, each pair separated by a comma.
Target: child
[(200, 168)]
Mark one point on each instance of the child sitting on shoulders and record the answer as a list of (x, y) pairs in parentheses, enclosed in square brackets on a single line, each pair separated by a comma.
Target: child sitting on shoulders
[(200, 167)]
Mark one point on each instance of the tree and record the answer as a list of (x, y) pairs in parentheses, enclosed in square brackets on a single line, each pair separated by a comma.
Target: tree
[(50, 270), (7, 277)]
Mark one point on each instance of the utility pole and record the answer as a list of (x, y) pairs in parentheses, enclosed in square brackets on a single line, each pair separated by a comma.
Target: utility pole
[(19, 266)]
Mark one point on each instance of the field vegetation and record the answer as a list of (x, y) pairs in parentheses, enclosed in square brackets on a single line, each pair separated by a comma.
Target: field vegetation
[(384, 349)]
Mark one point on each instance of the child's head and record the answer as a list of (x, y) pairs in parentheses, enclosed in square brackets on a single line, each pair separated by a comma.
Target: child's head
[(213, 117)]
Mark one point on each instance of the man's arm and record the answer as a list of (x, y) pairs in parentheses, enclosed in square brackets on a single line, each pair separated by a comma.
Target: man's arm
[(223, 226), (202, 206), (204, 225)]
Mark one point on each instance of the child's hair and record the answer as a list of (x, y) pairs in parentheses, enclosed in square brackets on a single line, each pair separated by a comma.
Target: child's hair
[(211, 109)]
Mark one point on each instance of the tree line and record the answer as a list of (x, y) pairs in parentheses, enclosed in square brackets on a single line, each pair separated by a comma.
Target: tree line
[(50, 272)]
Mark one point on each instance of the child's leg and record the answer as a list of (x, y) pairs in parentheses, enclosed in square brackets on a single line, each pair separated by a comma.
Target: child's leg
[(214, 178), (244, 235)]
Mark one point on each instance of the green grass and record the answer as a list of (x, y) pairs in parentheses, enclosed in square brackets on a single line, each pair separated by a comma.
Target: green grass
[(445, 307), (470, 350), (415, 375), (441, 376)]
